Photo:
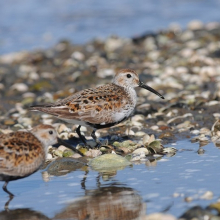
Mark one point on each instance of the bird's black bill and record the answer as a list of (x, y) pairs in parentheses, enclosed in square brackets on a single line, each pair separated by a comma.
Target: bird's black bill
[(142, 85), (60, 141)]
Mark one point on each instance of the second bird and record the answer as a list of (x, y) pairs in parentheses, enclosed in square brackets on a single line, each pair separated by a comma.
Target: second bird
[(99, 107)]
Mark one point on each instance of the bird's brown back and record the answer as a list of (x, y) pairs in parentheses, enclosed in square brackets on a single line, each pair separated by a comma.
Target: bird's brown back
[(21, 154)]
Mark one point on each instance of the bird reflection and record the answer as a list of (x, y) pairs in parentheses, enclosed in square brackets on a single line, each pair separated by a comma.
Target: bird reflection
[(22, 214), (106, 202)]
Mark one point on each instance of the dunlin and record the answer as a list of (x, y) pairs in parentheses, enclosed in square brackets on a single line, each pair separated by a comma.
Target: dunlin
[(99, 107), (22, 153)]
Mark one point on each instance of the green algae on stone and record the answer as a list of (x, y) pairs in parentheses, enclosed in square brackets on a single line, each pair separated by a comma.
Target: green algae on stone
[(68, 153), (128, 144), (108, 162)]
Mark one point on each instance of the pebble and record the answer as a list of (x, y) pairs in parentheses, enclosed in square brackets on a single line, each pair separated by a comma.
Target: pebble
[(140, 151), (20, 87), (107, 162), (93, 153), (159, 216), (208, 195)]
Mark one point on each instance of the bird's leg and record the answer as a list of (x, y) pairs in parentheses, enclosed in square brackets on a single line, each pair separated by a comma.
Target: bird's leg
[(96, 139), (6, 190), (81, 136), (7, 203)]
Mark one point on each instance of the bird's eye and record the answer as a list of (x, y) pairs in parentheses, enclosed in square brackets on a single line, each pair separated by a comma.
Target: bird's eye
[(50, 132), (128, 75)]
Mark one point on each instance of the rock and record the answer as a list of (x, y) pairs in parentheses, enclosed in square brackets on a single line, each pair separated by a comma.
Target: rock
[(49, 156), (196, 212), (68, 153), (20, 87), (93, 153), (126, 146), (108, 162), (159, 216), (195, 25), (155, 147), (62, 148), (208, 195), (78, 55), (141, 150), (58, 153), (63, 128), (76, 155), (169, 150), (62, 166)]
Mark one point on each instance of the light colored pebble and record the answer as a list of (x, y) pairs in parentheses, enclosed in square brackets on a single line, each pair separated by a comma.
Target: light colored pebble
[(20, 87), (63, 128), (62, 148), (78, 55), (159, 216), (154, 127), (129, 132), (208, 195), (49, 156), (76, 155), (93, 153), (63, 135), (195, 132), (140, 134), (141, 150), (195, 25)]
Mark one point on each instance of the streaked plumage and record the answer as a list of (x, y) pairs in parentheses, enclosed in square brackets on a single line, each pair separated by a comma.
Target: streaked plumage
[(99, 107), (22, 153)]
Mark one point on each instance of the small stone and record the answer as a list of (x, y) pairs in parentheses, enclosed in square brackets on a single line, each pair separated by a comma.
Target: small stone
[(93, 153), (68, 153), (64, 135), (141, 150), (76, 155), (129, 132), (154, 127), (201, 151), (208, 195), (107, 162), (195, 25), (20, 87), (195, 132), (188, 199), (146, 139), (159, 216), (58, 153), (9, 122), (62, 148), (139, 134), (63, 128), (49, 156), (78, 55)]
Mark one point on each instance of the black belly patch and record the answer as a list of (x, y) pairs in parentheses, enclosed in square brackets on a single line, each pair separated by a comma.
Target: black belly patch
[(99, 126)]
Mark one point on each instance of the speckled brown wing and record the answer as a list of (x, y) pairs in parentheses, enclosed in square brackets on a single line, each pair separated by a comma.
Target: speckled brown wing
[(21, 153), (94, 106)]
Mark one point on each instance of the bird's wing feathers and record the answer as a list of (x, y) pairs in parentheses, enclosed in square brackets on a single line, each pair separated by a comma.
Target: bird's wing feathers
[(18, 149), (90, 105)]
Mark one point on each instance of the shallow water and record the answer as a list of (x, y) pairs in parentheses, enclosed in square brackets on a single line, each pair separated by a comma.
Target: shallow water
[(28, 24), (133, 191)]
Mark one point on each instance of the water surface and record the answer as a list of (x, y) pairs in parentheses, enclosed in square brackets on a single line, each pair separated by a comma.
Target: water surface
[(143, 188), (28, 24)]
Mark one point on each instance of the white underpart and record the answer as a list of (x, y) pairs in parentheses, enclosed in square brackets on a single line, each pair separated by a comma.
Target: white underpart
[(129, 108)]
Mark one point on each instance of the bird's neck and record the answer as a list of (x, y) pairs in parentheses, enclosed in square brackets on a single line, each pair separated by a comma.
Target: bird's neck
[(132, 95)]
